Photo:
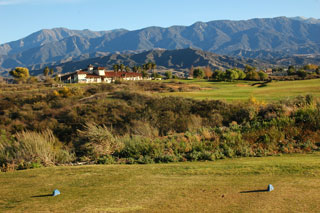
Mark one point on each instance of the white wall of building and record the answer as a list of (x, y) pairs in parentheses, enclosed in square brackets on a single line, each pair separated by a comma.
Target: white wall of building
[(81, 78), (100, 72)]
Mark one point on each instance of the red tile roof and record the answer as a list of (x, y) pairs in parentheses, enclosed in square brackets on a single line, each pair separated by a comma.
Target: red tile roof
[(82, 72), (92, 76), (122, 74)]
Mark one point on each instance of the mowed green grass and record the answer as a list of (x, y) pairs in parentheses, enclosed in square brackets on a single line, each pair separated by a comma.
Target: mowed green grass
[(243, 90), (178, 187)]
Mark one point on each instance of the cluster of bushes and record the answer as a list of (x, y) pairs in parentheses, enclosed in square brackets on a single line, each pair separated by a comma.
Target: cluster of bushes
[(204, 144), (124, 124), (238, 74), (291, 73), (249, 73)]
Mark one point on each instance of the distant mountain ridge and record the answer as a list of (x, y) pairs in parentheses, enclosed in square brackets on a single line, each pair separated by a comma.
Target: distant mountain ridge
[(307, 20), (254, 38), (47, 36)]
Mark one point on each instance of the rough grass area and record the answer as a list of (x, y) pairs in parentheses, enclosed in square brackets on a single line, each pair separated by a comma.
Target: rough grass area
[(242, 90), (182, 187)]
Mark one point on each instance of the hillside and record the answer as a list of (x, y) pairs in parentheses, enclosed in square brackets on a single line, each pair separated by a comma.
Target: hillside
[(173, 59), (283, 35)]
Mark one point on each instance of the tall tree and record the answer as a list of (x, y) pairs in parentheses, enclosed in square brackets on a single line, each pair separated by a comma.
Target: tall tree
[(291, 70), (149, 66), (127, 68), (231, 75), (241, 74), (46, 71), (249, 68), (153, 66), (122, 67), (302, 74), (115, 67), (168, 74), (134, 68), (51, 71), (145, 67), (191, 71), (252, 75), (208, 72), (217, 75), (139, 70), (155, 75), (262, 75), (198, 73), (144, 74)]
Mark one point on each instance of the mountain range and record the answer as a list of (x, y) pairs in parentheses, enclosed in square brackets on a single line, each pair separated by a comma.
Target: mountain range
[(268, 39)]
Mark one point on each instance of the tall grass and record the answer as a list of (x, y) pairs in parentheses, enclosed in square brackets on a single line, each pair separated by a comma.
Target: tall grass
[(97, 141), (33, 149)]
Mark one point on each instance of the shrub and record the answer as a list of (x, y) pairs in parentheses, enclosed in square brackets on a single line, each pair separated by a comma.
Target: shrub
[(108, 159), (308, 117), (166, 158), (143, 128), (137, 146), (145, 160), (98, 141)]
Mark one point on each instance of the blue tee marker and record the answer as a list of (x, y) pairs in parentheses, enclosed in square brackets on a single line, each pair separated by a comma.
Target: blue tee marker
[(55, 192), (270, 188)]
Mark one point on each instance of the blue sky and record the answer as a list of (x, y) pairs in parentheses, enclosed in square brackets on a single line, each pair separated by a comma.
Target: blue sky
[(19, 18)]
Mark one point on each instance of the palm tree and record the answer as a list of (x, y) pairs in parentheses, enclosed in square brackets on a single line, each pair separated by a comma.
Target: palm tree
[(149, 65), (127, 68), (145, 67), (135, 68), (51, 71), (139, 69), (122, 67), (115, 67), (153, 66)]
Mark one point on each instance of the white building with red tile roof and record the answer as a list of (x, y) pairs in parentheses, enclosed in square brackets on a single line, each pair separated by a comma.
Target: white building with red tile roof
[(99, 75)]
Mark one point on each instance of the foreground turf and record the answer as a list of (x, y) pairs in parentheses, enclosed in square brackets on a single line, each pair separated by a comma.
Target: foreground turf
[(180, 187), (243, 90)]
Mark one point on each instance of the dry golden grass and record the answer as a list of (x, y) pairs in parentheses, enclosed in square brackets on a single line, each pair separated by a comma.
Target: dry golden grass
[(178, 187)]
